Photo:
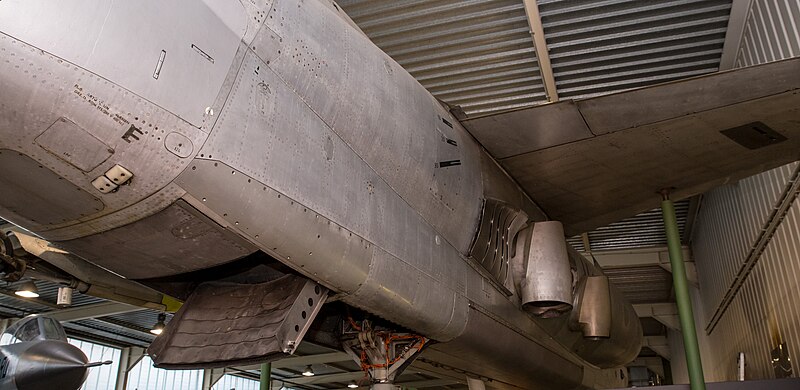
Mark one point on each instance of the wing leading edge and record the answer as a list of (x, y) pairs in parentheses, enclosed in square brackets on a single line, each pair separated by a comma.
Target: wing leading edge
[(591, 162)]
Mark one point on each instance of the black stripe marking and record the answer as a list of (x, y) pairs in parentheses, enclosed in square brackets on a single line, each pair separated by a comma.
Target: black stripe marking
[(448, 163)]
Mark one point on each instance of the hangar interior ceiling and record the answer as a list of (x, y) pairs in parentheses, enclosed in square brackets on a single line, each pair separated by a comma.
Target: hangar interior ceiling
[(480, 55)]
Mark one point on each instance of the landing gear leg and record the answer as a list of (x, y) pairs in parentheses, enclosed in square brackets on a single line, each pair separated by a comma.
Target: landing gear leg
[(382, 354)]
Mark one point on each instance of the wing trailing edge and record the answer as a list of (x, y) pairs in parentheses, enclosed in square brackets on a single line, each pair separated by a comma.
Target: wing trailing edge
[(591, 162)]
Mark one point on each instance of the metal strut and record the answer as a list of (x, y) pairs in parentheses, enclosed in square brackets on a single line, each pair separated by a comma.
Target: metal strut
[(693, 363), (382, 354)]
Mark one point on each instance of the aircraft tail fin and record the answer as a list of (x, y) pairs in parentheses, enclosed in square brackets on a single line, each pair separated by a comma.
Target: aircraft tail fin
[(224, 324)]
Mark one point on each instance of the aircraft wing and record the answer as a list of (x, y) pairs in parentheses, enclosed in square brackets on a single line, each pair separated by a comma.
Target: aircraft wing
[(591, 162)]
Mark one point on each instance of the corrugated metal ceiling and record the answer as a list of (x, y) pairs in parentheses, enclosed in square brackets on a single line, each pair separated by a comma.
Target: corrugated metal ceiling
[(640, 231), (646, 284), (479, 54), (600, 47)]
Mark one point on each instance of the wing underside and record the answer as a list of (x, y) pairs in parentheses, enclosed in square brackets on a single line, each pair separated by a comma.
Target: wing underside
[(592, 162)]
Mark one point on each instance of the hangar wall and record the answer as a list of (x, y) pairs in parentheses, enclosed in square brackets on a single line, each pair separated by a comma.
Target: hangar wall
[(748, 300)]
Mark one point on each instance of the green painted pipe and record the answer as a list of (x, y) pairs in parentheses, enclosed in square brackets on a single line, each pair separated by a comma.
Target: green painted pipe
[(693, 363), (266, 376)]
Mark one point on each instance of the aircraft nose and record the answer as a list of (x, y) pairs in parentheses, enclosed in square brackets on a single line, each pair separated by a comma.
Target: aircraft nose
[(51, 364)]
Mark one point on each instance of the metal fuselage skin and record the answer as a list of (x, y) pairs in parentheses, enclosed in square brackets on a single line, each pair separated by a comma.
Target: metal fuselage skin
[(283, 124)]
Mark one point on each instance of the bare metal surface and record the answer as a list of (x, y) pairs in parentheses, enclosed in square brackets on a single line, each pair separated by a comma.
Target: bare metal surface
[(595, 308), (324, 153), (75, 145), (621, 345), (168, 236), (50, 200), (535, 128), (672, 100), (699, 158), (95, 280), (108, 112), (123, 42), (457, 352), (548, 283)]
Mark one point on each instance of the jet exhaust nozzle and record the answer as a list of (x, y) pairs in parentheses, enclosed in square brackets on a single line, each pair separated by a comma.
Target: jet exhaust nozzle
[(547, 287), (594, 313), (51, 364)]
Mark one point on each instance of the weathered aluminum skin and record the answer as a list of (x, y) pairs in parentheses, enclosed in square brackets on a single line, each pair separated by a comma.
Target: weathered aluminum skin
[(309, 144)]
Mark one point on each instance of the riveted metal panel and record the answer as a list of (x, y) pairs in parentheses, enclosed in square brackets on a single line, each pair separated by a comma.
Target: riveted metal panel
[(344, 76), (42, 88), (127, 44)]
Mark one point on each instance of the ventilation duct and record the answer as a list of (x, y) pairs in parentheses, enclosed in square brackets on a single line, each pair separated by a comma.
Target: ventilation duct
[(547, 287)]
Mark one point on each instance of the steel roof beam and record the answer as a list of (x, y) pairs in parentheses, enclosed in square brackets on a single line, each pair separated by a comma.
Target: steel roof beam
[(659, 345), (733, 37), (665, 313), (643, 257), (542, 54)]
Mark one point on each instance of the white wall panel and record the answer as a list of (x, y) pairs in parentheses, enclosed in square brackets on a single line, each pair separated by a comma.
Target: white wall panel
[(772, 32), (144, 376), (764, 312), (230, 382), (103, 377), (728, 225)]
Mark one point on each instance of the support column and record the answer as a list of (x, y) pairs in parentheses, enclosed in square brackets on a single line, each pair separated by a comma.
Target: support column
[(129, 358), (693, 363), (211, 376), (266, 376)]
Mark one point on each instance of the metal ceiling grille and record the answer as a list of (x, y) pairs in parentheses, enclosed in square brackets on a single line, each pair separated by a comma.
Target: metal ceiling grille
[(477, 54), (600, 47), (645, 284), (643, 230)]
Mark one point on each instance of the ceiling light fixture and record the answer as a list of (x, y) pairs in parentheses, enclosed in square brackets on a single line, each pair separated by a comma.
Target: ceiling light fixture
[(28, 290), (308, 371), (160, 325), (352, 385)]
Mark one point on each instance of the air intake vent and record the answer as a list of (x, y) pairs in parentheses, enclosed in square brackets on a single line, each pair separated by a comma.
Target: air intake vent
[(494, 243), (754, 135)]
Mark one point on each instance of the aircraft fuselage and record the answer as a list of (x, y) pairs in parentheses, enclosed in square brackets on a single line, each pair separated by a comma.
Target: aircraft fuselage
[(277, 127)]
